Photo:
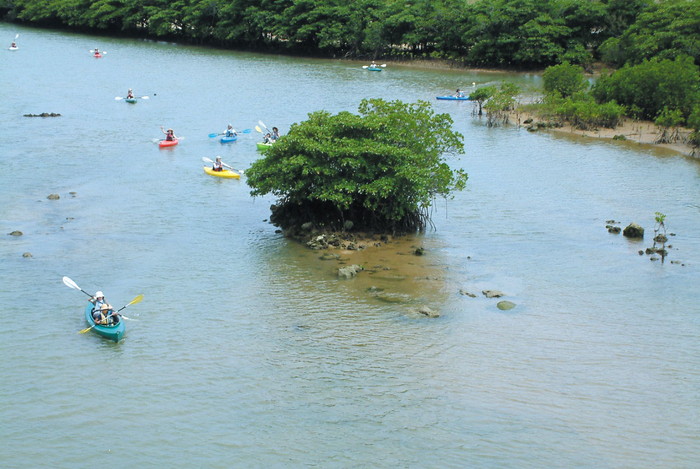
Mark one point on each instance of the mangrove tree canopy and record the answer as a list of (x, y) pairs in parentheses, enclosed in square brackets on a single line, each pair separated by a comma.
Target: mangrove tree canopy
[(493, 33), (380, 169)]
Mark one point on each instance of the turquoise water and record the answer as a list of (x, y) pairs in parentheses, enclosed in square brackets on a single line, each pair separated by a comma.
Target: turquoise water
[(249, 352)]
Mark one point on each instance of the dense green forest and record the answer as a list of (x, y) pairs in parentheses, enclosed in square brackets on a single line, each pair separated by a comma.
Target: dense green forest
[(487, 33), (653, 45)]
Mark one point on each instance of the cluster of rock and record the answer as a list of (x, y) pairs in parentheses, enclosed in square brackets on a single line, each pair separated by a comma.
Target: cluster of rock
[(317, 238), (44, 114), (18, 233), (635, 231), (503, 305)]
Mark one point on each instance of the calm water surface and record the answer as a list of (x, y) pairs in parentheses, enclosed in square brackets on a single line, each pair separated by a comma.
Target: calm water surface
[(249, 352)]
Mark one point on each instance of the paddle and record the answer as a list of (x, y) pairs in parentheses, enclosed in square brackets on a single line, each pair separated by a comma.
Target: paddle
[(132, 302), (209, 160), (262, 124), (70, 283), (265, 140), (246, 131), (368, 66)]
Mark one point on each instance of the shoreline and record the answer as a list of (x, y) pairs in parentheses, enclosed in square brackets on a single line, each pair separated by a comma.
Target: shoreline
[(630, 131), (633, 131)]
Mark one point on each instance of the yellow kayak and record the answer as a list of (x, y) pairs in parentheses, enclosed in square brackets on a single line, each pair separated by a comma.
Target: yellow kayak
[(222, 174)]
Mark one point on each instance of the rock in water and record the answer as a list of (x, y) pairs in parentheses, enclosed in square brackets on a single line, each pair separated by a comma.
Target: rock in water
[(505, 305), (633, 230)]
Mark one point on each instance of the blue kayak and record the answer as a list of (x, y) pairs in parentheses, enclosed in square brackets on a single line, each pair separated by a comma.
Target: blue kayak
[(230, 139), (114, 332), (374, 69), (453, 98)]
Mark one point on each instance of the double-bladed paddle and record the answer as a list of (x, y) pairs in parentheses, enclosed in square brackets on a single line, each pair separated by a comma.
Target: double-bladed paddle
[(245, 131), (262, 124)]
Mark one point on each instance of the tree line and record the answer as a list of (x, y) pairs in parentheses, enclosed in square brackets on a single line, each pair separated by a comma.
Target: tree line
[(654, 45), (485, 33)]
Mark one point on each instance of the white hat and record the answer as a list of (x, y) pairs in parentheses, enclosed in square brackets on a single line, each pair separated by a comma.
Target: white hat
[(99, 294)]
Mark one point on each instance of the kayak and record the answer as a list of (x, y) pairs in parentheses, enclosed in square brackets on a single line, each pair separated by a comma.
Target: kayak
[(374, 69), (222, 174), (97, 56), (453, 98), (114, 332), (263, 145), (12, 48), (130, 100), (167, 143), (230, 139)]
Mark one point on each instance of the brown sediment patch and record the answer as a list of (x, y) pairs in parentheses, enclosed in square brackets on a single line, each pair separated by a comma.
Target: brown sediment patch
[(633, 131), (392, 271)]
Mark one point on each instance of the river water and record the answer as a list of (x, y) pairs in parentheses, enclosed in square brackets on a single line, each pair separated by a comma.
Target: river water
[(249, 352)]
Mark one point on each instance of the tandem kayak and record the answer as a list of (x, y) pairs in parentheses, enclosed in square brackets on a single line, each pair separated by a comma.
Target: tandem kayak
[(167, 143), (230, 139), (263, 145), (114, 332), (453, 98), (222, 174)]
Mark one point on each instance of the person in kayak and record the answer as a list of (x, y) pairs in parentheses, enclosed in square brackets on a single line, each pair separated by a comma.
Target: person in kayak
[(129, 94), (230, 131), (218, 165), (13, 45), (106, 316), (99, 301), (275, 134), (97, 51), (459, 94), (169, 134)]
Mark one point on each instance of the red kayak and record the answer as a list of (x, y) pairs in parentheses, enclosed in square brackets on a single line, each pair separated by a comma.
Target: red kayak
[(167, 143), (97, 56)]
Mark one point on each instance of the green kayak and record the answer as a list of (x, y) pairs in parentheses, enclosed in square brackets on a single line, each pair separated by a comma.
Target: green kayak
[(113, 332)]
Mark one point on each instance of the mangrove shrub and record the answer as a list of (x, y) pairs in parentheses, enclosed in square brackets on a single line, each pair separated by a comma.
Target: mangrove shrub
[(380, 169)]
